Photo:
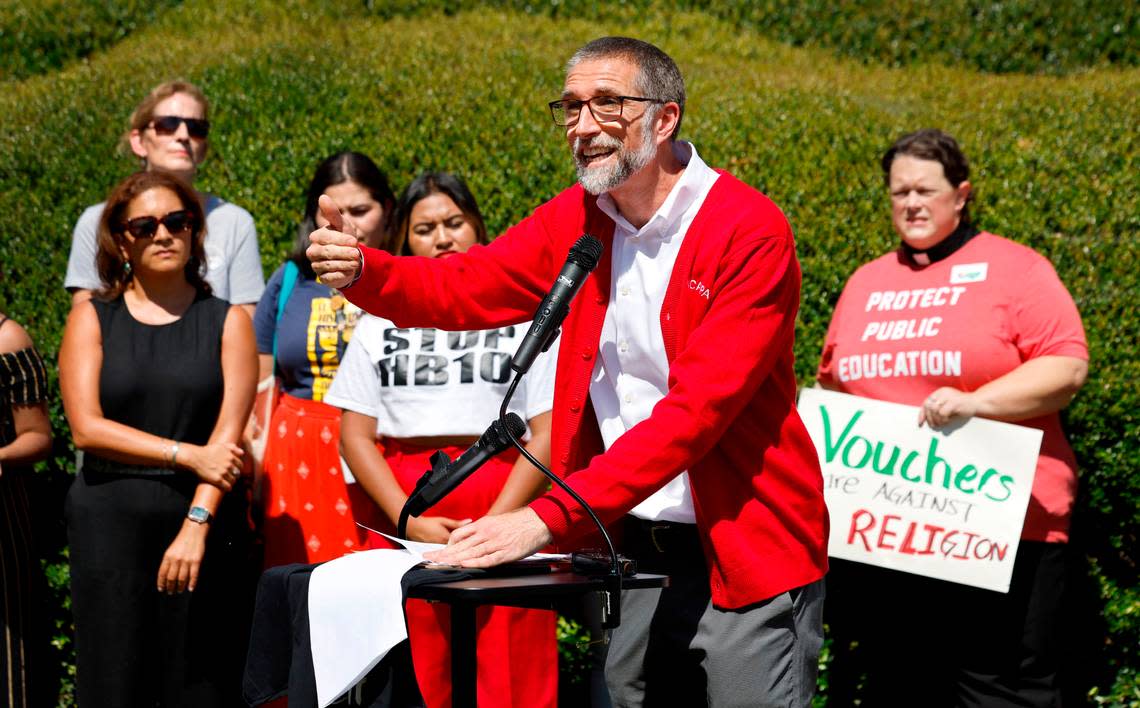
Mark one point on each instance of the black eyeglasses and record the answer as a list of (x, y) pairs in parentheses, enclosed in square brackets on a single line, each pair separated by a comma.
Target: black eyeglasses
[(168, 125), (176, 222), (605, 109)]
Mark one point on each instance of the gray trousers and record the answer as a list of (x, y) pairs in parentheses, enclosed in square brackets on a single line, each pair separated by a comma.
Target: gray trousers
[(674, 648)]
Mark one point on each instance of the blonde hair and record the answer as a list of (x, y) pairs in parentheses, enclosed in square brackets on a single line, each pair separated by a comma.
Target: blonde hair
[(144, 111)]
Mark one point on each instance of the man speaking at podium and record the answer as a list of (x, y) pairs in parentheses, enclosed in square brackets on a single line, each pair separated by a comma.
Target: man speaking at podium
[(674, 411)]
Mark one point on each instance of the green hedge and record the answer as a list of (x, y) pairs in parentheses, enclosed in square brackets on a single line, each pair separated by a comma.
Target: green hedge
[(1054, 158), (1003, 36), (45, 35)]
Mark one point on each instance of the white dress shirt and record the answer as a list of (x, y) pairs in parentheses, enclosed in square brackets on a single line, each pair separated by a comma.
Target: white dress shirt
[(632, 374)]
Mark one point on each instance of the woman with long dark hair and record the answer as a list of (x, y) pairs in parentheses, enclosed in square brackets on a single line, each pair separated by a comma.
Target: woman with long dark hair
[(310, 503), (408, 392), (157, 377)]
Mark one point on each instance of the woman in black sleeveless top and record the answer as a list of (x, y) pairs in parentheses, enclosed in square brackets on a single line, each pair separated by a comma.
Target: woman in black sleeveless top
[(157, 379)]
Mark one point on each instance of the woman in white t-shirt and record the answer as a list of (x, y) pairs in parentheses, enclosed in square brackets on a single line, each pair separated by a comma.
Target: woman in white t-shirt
[(407, 392)]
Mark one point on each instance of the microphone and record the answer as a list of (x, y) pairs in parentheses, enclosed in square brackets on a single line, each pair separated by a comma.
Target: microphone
[(581, 260), (446, 475)]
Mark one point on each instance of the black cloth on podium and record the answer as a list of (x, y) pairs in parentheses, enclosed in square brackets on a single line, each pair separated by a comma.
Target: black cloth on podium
[(279, 661), (431, 576)]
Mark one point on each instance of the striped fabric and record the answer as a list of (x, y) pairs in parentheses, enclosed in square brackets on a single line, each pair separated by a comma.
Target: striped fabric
[(23, 381)]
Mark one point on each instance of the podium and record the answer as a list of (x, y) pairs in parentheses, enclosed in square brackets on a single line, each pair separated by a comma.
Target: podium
[(532, 591)]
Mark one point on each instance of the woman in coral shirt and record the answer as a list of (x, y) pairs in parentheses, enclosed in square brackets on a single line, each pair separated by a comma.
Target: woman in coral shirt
[(960, 323)]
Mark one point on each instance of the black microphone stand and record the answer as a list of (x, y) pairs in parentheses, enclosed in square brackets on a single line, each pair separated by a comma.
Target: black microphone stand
[(611, 606), (402, 525), (445, 474), (439, 462), (581, 261), (611, 596)]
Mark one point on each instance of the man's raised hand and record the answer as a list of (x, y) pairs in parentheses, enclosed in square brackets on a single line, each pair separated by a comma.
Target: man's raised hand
[(333, 249)]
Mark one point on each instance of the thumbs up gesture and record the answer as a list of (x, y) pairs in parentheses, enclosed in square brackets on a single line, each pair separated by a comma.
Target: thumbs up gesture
[(333, 248)]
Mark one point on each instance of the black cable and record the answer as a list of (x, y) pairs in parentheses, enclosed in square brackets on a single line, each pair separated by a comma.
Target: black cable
[(611, 614), (402, 524), (611, 617)]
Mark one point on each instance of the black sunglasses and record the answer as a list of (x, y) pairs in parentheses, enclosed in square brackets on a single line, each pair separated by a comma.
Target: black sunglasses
[(168, 125), (176, 222)]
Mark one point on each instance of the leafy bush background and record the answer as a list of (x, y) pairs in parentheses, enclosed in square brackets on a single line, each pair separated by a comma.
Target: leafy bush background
[(43, 36), (463, 87), (991, 35)]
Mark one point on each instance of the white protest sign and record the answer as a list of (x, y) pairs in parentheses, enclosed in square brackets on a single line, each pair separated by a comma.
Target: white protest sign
[(946, 503)]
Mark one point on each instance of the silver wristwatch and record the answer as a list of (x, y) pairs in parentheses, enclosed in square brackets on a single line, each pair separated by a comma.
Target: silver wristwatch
[(199, 515)]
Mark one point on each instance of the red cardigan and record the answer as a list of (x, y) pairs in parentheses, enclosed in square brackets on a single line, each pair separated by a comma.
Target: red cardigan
[(729, 417)]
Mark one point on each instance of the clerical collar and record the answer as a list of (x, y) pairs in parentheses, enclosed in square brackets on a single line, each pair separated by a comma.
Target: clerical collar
[(944, 248)]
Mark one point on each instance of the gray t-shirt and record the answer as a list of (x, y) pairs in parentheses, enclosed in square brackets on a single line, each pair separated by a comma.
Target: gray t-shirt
[(232, 259)]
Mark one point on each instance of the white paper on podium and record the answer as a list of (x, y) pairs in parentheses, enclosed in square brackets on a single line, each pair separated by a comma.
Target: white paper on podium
[(356, 615), (423, 547), (356, 611), (419, 547)]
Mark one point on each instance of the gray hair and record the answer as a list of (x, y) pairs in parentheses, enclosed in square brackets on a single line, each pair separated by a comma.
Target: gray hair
[(658, 76)]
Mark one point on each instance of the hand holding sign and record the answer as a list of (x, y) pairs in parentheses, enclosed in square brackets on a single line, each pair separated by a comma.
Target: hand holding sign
[(946, 504), (946, 404), (333, 249)]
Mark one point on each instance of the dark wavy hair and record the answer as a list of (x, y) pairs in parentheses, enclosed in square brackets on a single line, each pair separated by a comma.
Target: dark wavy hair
[(933, 144), (111, 239), (339, 168), (422, 187)]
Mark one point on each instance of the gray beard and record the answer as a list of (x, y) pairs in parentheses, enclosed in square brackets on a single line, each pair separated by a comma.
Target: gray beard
[(596, 180)]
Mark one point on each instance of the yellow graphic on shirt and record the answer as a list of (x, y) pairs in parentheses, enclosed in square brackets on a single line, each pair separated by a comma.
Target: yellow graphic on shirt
[(331, 321)]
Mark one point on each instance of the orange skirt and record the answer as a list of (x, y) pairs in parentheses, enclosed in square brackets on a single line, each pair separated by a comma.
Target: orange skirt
[(516, 648), (310, 512)]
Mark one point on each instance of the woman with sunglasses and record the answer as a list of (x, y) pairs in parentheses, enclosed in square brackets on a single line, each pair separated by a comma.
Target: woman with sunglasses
[(408, 392), (310, 504), (25, 438), (157, 378), (169, 132)]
